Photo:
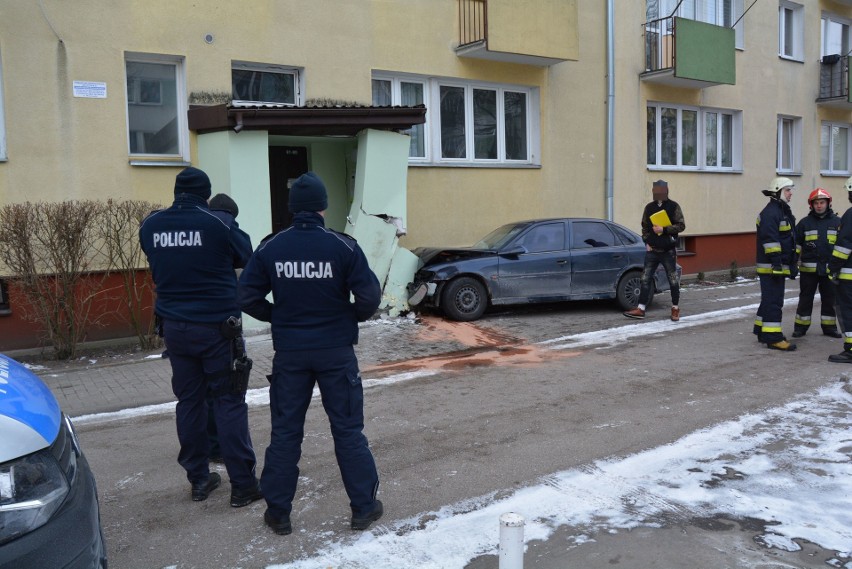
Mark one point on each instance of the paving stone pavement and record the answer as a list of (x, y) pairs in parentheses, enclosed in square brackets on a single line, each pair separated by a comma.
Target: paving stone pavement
[(134, 379)]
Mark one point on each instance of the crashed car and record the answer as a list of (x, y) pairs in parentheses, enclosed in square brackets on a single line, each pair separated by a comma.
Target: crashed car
[(49, 515), (543, 260)]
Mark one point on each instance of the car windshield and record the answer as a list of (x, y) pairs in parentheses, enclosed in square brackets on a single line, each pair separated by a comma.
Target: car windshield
[(499, 237)]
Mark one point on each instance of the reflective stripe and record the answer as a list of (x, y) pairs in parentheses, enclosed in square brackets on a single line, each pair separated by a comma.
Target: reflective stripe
[(771, 327), (811, 235), (848, 339), (784, 225), (758, 322), (832, 239), (808, 267), (845, 274), (772, 247), (803, 320), (841, 252), (828, 321)]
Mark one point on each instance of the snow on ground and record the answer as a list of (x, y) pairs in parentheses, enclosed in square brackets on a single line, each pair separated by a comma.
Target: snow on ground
[(734, 469)]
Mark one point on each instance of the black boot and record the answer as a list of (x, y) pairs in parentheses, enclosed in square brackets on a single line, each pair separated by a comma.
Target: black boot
[(200, 490), (799, 332), (844, 357), (832, 333)]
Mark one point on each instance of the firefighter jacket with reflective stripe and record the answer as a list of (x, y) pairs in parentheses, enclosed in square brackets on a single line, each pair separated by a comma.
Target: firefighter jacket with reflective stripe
[(815, 238), (776, 245), (840, 265)]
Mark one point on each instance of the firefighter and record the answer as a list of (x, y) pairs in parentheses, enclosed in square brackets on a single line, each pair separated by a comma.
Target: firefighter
[(840, 272), (776, 262), (815, 237)]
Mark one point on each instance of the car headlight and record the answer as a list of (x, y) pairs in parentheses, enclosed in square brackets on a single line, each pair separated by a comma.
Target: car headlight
[(31, 489)]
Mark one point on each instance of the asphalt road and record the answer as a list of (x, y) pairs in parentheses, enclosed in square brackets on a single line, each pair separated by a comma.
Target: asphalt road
[(512, 402)]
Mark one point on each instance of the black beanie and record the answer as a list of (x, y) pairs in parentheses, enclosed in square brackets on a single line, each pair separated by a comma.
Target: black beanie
[(224, 203), (193, 181), (308, 194)]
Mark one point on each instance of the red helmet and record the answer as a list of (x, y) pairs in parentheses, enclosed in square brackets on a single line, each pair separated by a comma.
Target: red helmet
[(819, 194)]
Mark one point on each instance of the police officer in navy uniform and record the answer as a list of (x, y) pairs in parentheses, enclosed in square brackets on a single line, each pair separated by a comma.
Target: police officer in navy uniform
[(192, 252), (312, 271)]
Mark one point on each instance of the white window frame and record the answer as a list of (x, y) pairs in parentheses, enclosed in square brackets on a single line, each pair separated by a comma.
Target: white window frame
[(3, 155), (686, 9), (793, 150), (432, 130), (795, 49), (828, 18), (296, 72), (181, 103), (701, 144), (396, 82), (831, 150)]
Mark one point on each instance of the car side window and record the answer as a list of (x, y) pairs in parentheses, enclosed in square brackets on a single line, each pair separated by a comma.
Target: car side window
[(541, 238), (587, 234), (627, 238)]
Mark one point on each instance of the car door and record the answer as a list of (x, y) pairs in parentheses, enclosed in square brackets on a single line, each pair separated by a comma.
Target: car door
[(597, 259), (541, 272)]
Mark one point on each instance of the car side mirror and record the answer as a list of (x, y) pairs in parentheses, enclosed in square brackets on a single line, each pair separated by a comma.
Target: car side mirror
[(513, 251)]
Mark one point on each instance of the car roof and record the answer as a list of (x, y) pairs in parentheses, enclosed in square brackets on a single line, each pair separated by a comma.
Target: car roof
[(29, 414)]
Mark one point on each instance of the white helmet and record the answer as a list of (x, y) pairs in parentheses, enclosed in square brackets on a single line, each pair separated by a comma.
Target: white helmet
[(778, 184), (848, 184)]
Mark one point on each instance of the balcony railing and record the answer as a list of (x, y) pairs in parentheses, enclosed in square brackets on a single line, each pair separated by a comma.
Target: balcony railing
[(834, 78), (659, 44), (473, 21)]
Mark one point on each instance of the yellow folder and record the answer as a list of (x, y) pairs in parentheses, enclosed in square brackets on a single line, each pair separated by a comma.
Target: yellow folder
[(660, 218)]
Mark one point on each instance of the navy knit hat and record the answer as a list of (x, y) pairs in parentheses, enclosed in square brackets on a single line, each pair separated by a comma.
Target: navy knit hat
[(308, 194), (225, 203), (193, 181)]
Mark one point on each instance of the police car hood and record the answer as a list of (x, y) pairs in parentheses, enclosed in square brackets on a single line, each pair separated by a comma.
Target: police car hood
[(29, 414)]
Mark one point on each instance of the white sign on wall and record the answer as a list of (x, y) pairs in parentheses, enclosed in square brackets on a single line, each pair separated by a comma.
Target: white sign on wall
[(90, 89)]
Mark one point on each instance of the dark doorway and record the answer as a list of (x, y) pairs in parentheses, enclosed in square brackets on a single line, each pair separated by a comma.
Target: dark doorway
[(286, 163)]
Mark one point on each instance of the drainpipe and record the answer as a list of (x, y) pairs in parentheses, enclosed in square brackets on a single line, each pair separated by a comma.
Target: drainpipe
[(610, 106)]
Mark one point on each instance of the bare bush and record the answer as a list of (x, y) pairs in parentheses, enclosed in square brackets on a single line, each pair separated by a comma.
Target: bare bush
[(120, 233), (53, 251)]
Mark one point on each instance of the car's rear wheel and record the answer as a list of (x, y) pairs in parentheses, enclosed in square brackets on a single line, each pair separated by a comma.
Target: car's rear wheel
[(629, 287), (464, 299)]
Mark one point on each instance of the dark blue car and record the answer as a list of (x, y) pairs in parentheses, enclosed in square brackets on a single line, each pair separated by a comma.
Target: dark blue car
[(543, 260), (49, 515)]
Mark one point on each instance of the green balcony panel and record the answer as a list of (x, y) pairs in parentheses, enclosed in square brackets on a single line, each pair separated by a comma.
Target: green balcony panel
[(704, 52)]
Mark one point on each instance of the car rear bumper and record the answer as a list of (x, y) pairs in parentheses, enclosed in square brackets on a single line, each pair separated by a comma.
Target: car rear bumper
[(72, 539)]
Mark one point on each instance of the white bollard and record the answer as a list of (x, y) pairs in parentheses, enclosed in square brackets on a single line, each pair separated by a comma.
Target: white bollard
[(511, 541)]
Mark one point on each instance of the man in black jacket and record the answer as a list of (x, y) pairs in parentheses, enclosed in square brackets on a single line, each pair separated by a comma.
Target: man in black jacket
[(660, 247), (312, 271), (840, 272)]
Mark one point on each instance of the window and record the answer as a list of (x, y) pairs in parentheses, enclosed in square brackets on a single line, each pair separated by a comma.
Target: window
[(835, 35), (408, 93), (466, 123), (693, 138), (4, 298), (2, 117), (834, 148), (790, 30), (156, 106), (253, 83), (717, 12), (789, 145), (587, 234)]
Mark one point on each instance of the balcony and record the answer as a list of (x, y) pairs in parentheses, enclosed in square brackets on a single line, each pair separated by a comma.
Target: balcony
[(687, 53), (509, 31), (834, 82)]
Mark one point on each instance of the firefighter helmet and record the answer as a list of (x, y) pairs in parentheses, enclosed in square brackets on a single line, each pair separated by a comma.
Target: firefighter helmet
[(818, 194), (848, 184), (778, 184)]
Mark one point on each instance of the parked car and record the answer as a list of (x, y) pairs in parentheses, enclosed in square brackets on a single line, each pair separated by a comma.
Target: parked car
[(542, 260), (49, 515)]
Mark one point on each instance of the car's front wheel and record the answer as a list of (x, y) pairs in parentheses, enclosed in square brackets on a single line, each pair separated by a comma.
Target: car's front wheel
[(628, 290), (464, 299)]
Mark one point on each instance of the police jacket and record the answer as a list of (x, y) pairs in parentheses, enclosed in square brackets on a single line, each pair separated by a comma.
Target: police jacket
[(776, 246), (311, 272), (815, 238), (193, 252), (840, 264), (668, 238)]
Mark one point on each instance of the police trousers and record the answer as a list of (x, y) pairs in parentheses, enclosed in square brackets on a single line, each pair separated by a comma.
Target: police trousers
[(294, 375), (809, 283), (200, 357)]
